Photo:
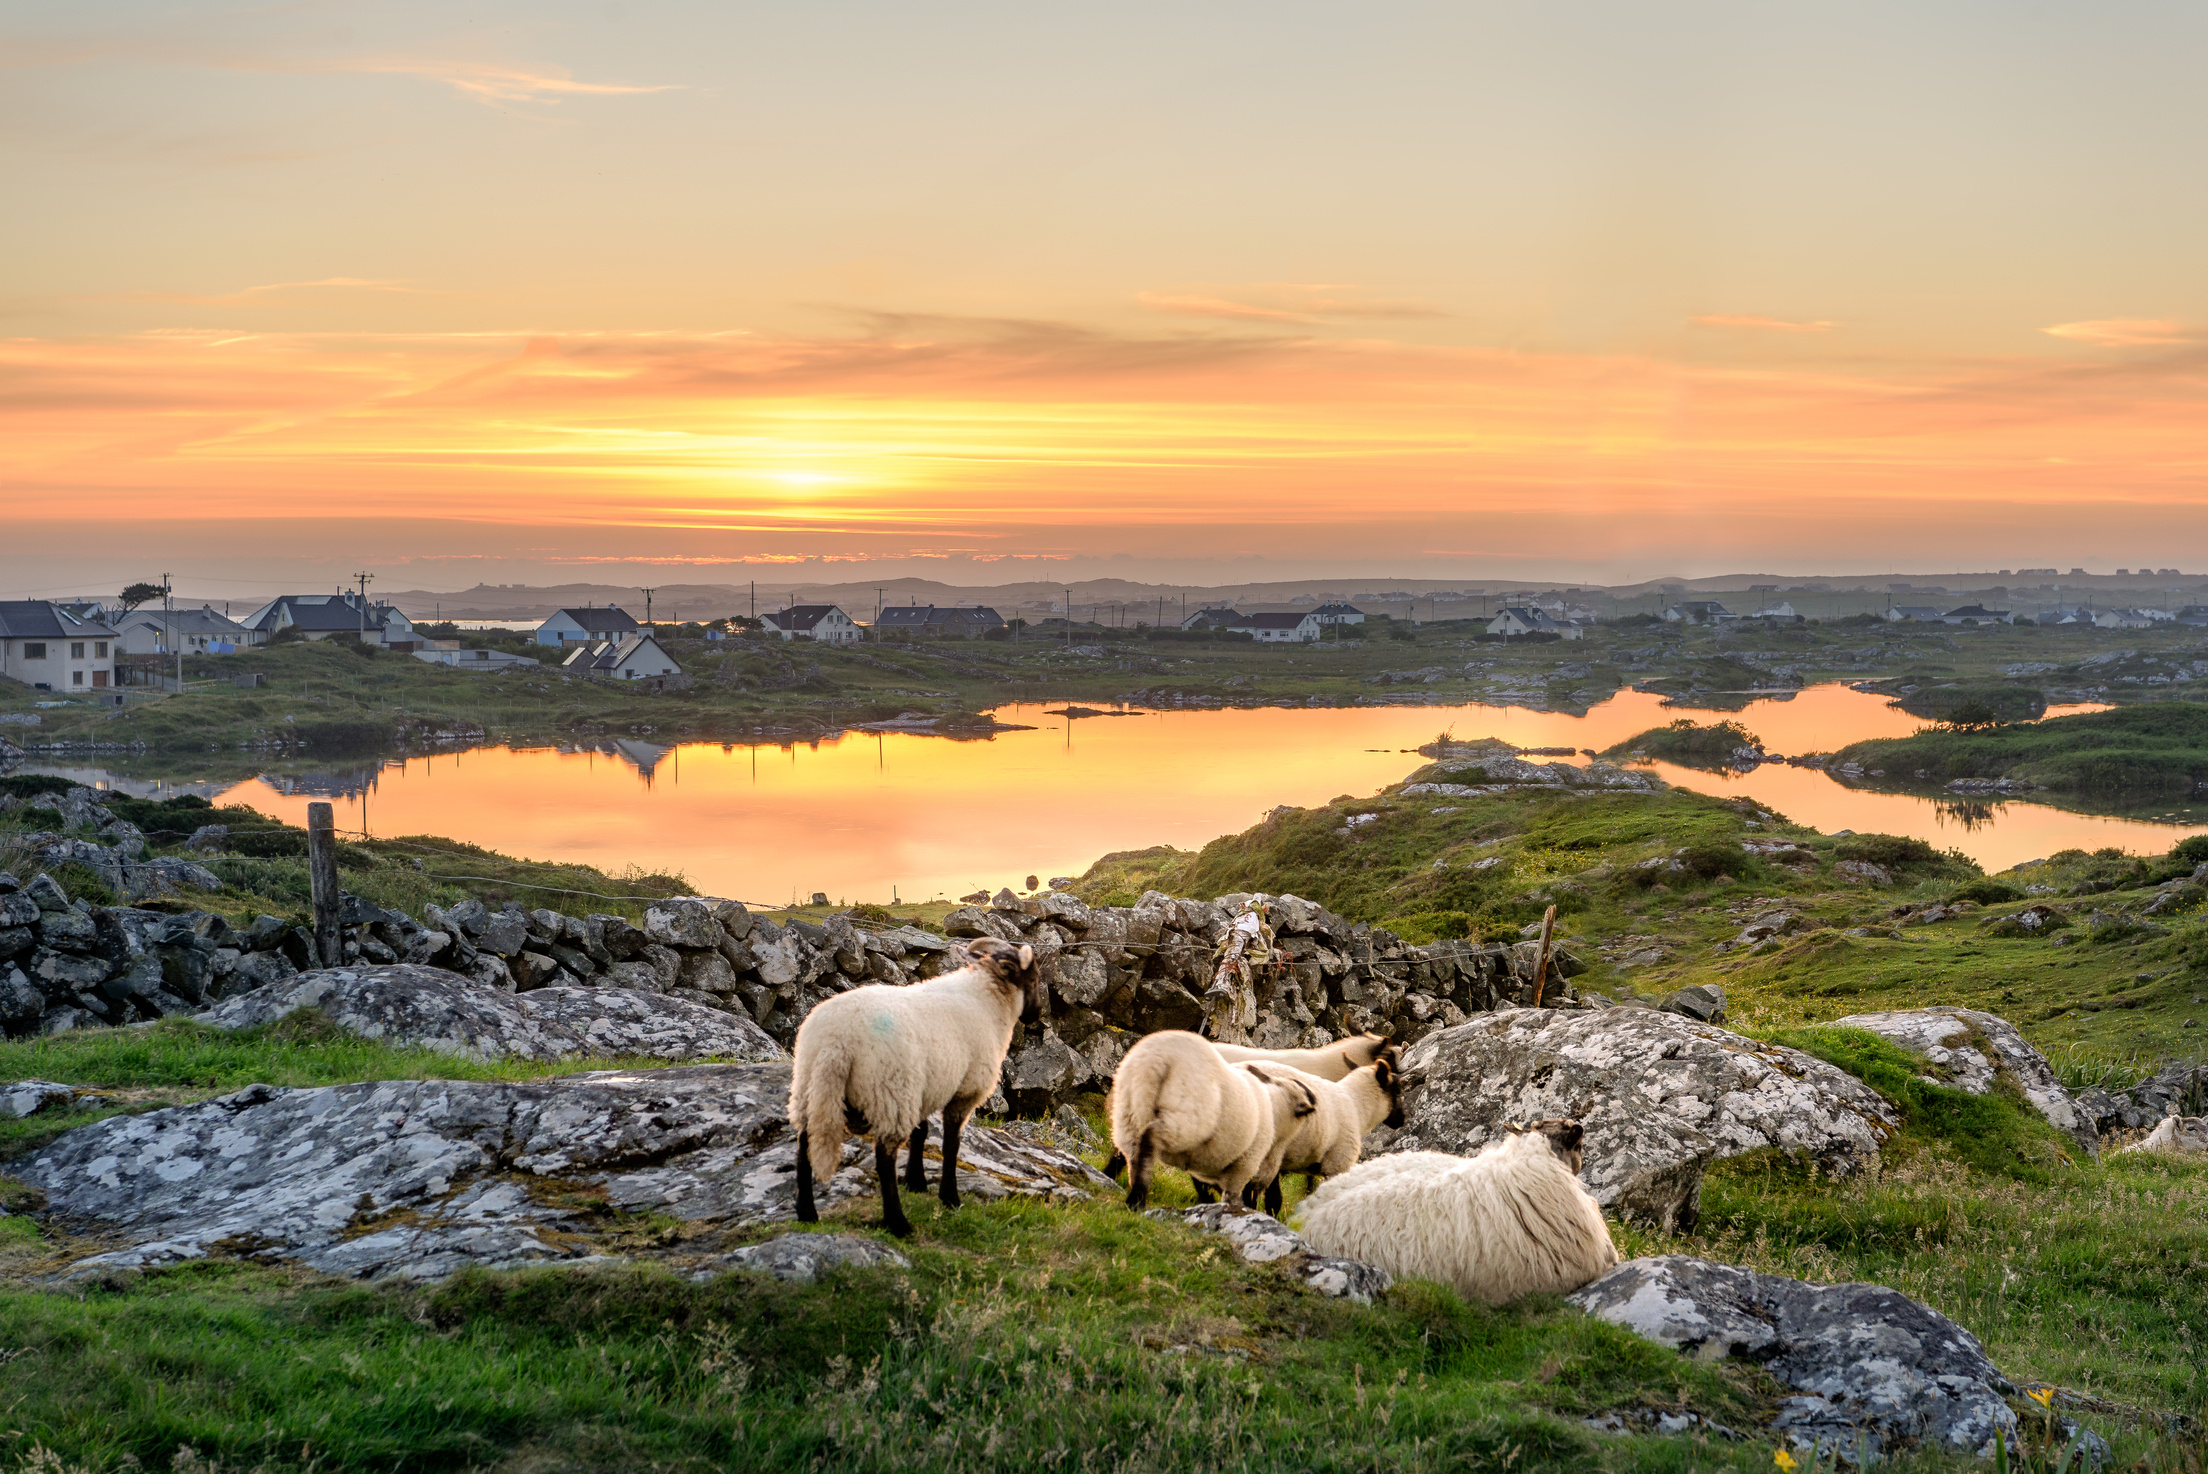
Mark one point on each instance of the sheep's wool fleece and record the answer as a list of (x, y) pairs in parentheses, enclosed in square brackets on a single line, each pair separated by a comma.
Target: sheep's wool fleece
[(1335, 1062), (1331, 1137), (2178, 1135), (1202, 1114), (1512, 1221)]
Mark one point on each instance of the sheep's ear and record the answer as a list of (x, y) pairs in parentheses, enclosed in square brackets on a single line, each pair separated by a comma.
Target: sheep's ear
[(1384, 1075), (1310, 1101), (1027, 956), (1514, 1129)]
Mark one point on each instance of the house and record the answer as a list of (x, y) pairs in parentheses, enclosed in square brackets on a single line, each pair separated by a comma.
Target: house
[(1914, 613), (2123, 619), (1217, 618), (1524, 619), (198, 631), (1780, 610), (1698, 611), (1338, 614), (52, 649), (476, 662), (823, 622), (938, 621), (1293, 627), (585, 626), (636, 657), (342, 615), (2194, 616), (1975, 614)]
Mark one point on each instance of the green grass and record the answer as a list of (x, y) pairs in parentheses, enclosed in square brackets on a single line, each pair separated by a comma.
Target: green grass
[(2134, 753), (1689, 744)]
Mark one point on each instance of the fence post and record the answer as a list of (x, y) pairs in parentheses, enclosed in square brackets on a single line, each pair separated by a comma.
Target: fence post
[(329, 945)]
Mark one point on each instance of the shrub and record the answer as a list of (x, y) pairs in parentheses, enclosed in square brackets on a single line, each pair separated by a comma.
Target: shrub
[(1432, 926), (2188, 852), (1987, 892), (1710, 858), (1887, 851), (83, 884), (31, 785)]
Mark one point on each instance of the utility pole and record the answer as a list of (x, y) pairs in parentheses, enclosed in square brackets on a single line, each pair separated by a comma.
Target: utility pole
[(647, 593), (877, 616), (1068, 592), (363, 577), (168, 618)]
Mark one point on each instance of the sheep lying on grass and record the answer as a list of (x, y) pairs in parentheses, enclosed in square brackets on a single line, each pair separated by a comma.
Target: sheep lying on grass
[(878, 1061), (1331, 1063), (2182, 1136), (1509, 1222), (1175, 1101), (1329, 1140)]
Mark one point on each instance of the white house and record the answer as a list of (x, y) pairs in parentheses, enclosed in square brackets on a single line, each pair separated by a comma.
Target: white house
[(1338, 614), (1975, 614), (1524, 619), (476, 662), (585, 626), (198, 631), (2123, 619), (635, 658), (1698, 611), (1780, 610), (1289, 628), (1914, 613), (51, 649), (823, 622), (334, 616)]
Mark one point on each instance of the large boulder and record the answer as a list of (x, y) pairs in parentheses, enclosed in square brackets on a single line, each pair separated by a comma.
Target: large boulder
[(401, 1003), (1868, 1365), (1970, 1051), (1661, 1096), (420, 1178)]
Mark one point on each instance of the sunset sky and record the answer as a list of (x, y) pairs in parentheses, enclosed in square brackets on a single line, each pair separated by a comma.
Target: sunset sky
[(1595, 291)]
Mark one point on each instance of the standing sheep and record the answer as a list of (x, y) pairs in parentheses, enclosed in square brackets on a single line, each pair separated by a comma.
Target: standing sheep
[(878, 1061), (1175, 1101), (1509, 1222), (1330, 1139), (1331, 1063)]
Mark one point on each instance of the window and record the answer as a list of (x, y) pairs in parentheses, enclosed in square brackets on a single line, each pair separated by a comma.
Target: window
[(76, 649), (99, 649), (76, 678), (34, 652)]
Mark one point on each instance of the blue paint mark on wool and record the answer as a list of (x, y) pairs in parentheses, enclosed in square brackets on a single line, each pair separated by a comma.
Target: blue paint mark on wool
[(883, 1024)]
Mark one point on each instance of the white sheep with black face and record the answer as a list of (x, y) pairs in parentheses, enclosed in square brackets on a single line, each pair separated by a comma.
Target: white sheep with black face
[(1511, 1221), (1328, 1142), (1334, 1062), (1176, 1103), (878, 1061), (2178, 1136)]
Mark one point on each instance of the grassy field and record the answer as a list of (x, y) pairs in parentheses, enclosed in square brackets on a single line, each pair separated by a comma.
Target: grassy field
[(1030, 1336), (2129, 755), (337, 702)]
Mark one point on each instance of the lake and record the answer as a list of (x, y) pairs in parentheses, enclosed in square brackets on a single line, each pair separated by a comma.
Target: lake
[(872, 816)]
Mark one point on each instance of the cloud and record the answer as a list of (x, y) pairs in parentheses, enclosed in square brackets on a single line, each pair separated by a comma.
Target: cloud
[(1760, 324), (1284, 302), (2122, 332), (484, 81)]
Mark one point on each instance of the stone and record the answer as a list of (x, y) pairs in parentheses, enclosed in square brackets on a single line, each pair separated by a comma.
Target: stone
[(1969, 1051), (1864, 872), (209, 838), (1661, 1096), (503, 932), (409, 1005), (46, 893), (20, 999), (1865, 1362), (684, 921), (1703, 1001), (802, 1258), (420, 1178), (22, 1098), (977, 921), (1038, 1075), (1261, 1239), (780, 961), (18, 908), (69, 931)]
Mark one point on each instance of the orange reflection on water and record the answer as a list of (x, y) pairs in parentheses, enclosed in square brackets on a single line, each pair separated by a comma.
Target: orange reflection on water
[(870, 816)]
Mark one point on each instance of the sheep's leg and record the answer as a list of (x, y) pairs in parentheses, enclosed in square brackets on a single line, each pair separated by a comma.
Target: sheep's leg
[(954, 1121), (916, 1171), (1204, 1193), (893, 1211), (1272, 1197), (1114, 1165), (1138, 1175), (806, 1211)]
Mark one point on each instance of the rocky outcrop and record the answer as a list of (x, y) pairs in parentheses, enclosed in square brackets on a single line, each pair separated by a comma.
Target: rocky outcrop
[(1971, 1051), (1661, 1096), (802, 1258), (2177, 1090), (1261, 1239), (401, 1003), (1872, 1370), (419, 1178)]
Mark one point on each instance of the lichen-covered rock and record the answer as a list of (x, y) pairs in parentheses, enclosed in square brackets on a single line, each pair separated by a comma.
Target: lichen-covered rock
[(401, 1003), (1259, 1238), (1969, 1050), (21, 1098), (802, 1258), (419, 1178), (1865, 1361), (1661, 1096)]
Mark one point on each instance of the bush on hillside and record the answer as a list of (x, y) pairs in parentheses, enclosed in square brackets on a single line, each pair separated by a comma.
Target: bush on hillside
[(1987, 892), (1707, 859), (1887, 851)]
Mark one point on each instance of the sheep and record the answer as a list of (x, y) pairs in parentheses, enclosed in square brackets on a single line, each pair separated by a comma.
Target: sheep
[(1174, 1101), (1331, 1063), (878, 1061), (1329, 1140), (1509, 1222), (2184, 1136)]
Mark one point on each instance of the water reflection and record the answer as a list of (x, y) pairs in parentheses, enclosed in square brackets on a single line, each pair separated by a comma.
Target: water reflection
[(1970, 813)]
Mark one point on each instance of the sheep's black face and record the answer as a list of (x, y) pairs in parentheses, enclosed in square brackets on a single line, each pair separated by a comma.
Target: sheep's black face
[(1388, 1077), (1566, 1138), (1013, 966)]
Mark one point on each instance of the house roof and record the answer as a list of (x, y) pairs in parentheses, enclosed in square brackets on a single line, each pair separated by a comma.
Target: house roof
[(919, 616), (1273, 621), (609, 620), (1977, 611), (1337, 608), (799, 616), (200, 621), (35, 619), (613, 654), (333, 612), (1916, 611)]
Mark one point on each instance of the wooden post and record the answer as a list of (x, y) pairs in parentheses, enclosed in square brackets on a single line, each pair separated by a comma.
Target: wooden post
[(1541, 960), (329, 942), (1230, 1004)]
